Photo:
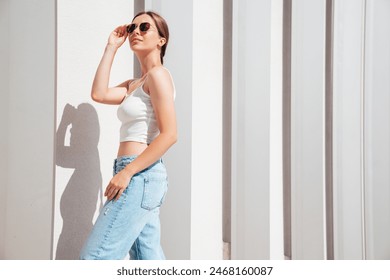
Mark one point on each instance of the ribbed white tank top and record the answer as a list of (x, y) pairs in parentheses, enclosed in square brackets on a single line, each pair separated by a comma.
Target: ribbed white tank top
[(137, 116)]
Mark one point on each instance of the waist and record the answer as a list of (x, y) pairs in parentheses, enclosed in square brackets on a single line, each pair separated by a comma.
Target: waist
[(121, 161), (131, 148)]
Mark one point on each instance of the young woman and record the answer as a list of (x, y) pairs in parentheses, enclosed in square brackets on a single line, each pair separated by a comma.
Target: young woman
[(129, 221)]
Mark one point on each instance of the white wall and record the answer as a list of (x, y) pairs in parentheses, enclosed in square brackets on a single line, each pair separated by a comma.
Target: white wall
[(377, 129), (86, 153), (307, 129), (347, 129), (29, 93), (87, 136), (361, 130), (250, 129), (206, 185)]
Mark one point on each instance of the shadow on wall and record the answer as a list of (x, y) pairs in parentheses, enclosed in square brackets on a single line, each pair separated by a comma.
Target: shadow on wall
[(79, 199)]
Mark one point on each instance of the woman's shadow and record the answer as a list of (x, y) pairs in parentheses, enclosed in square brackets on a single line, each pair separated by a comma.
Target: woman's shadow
[(79, 199)]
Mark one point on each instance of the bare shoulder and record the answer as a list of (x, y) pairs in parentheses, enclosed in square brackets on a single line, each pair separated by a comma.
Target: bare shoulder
[(159, 73), (160, 81)]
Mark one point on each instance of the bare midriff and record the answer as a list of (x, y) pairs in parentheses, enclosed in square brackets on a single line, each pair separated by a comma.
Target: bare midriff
[(130, 148)]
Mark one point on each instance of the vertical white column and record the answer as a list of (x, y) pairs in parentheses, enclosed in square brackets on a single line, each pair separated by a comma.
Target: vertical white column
[(28, 139), (307, 129), (88, 135), (192, 214), (276, 135), (347, 128), (251, 129), (206, 160), (206, 193), (377, 129)]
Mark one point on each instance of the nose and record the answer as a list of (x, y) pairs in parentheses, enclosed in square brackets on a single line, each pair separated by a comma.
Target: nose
[(136, 30), (135, 33)]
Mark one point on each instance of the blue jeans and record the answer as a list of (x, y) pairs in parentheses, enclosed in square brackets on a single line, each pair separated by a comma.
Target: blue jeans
[(131, 224)]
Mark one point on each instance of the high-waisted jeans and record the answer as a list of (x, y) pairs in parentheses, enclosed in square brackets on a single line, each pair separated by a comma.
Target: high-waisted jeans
[(131, 224)]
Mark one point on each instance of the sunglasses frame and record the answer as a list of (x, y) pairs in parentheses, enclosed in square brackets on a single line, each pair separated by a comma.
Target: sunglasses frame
[(141, 26)]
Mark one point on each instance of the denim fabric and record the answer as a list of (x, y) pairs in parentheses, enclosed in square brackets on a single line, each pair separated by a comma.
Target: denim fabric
[(131, 224)]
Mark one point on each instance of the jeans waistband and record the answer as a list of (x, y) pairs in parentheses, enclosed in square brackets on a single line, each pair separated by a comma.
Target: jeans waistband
[(133, 157)]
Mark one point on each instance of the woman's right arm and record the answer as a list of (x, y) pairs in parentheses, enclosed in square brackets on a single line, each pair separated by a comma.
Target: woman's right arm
[(100, 91)]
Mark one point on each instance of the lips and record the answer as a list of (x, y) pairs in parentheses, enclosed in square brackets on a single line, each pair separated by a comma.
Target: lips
[(134, 40)]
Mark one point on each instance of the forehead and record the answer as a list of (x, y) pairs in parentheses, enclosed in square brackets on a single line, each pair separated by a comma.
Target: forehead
[(143, 18)]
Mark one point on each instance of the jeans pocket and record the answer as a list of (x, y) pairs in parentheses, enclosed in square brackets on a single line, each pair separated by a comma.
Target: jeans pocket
[(155, 189)]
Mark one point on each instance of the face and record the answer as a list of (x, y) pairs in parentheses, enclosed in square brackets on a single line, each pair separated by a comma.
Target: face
[(144, 35)]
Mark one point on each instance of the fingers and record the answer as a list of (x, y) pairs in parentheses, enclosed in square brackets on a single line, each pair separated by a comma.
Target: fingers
[(117, 185), (110, 192), (113, 191), (121, 31), (118, 36), (118, 195)]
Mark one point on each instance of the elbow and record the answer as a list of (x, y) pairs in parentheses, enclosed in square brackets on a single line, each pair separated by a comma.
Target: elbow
[(96, 97), (173, 135), (171, 138), (174, 138)]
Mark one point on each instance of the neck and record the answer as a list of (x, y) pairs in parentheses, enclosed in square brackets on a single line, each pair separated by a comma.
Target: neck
[(148, 62)]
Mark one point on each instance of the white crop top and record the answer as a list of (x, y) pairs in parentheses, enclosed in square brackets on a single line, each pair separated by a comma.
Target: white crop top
[(137, 116)]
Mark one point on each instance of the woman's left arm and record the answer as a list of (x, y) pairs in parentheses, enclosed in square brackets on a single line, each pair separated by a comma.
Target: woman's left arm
[(161, 90)]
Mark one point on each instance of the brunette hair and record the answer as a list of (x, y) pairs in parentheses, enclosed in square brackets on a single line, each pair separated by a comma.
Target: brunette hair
[(162, 28)]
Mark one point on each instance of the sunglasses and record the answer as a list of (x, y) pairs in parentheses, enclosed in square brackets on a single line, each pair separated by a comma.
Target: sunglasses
[(143, 27)]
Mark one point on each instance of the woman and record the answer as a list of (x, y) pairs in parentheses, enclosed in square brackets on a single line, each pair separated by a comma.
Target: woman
[(129, 221)]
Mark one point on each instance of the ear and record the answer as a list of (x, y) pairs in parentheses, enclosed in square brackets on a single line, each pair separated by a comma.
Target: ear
[(162, 41)]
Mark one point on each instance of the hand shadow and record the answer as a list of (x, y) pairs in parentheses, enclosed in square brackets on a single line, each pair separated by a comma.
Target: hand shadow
[(79, 199)]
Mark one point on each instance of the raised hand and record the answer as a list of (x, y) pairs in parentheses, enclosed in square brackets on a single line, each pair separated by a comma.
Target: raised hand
[(118, 36)]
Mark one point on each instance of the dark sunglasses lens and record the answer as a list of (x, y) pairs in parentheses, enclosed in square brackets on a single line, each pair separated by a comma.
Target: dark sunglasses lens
[(144, 26), (131, 28)]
